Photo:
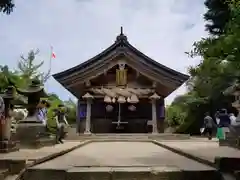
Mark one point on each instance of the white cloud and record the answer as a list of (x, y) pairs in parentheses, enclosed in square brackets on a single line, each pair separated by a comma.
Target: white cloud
[(79, 29)]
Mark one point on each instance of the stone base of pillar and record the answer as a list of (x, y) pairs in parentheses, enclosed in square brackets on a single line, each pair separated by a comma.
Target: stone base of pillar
[(8, 146), (33, 134), (87, 132)]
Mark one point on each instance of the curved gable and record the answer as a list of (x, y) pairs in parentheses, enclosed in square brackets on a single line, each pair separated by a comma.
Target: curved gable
[(102, 61)]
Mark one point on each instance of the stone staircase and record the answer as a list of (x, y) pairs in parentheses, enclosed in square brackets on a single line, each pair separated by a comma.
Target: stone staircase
[(122, 173), (229, 167), (3, 173), (9, 168), (162, 136)]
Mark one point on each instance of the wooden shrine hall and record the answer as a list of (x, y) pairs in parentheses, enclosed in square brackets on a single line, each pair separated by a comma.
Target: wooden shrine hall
[(120, 90)]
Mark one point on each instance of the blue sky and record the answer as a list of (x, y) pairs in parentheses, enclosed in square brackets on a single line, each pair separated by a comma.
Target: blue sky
[(80, 29)]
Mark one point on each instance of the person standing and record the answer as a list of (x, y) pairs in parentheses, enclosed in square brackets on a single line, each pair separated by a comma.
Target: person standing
[(232, 119), (217, 117), (61, 122), (209, 125), (224, 122), (42, 112)]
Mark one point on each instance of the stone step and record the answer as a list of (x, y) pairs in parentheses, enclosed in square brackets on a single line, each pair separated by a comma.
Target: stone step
[(237, 175), (120, 173), (11, 177), (227, 164), (232, 142), (228, 176), (129, 136), (3, 173), (13, 166)]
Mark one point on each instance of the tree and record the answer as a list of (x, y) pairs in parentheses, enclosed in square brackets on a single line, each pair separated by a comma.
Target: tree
[(71, 110), (217, 15), (6, 6), (28, 69), (218, 69), (8, 78)]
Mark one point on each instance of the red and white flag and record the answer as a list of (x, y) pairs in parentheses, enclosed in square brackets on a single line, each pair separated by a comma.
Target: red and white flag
[(53, 55)]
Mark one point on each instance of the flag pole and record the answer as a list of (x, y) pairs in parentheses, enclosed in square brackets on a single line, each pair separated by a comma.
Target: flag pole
[(50, 65), (50, 61)]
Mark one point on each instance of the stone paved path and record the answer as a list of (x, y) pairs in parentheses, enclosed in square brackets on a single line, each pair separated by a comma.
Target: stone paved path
[(207, 150), (34, 154), (122, 154)]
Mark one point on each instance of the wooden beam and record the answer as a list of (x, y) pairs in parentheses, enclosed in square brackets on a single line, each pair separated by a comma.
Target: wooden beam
[(91, 67), (153, 76), (95, 72)]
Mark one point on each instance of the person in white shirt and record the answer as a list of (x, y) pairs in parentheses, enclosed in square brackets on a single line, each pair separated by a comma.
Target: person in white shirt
[(233, 119), (217, 117), (42, 111)]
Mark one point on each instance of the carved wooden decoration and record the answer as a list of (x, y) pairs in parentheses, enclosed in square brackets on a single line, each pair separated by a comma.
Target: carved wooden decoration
[(121, 74), (88, 83), (154, 84), (121, 77)]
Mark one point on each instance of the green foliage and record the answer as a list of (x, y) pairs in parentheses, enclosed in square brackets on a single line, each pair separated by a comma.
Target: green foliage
[(69, 105), (6, 6), (54, 101), (27, 67), (8, 77), (217, 71), (218, 15), (175, 116), (27, 70), (71, 110)]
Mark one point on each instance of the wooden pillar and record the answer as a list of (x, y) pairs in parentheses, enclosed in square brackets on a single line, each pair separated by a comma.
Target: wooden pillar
[(161, 117), (153, 99), (2, 118), (88, 118), (88, 98), (154, 117), (78, 117)]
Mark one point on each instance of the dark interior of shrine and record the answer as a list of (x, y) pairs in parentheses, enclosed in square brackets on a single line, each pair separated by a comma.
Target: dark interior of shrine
[(134, 118)]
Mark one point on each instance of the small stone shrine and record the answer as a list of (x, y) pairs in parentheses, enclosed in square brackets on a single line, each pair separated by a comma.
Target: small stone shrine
[(30, 131), (7, 144), (233, 137)]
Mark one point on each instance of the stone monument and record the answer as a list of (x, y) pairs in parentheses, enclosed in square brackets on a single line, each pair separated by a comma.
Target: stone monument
[(30, 131), (7, 143)]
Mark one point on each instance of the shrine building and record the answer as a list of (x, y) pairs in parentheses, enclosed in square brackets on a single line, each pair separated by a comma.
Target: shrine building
[(120, 90)]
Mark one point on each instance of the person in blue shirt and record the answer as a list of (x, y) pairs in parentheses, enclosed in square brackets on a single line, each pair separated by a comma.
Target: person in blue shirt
[(225, 121)]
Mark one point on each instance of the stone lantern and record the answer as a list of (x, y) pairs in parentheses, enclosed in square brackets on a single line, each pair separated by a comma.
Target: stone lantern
[(234, 91), (30, 131), (233, 137), (6, 142)]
